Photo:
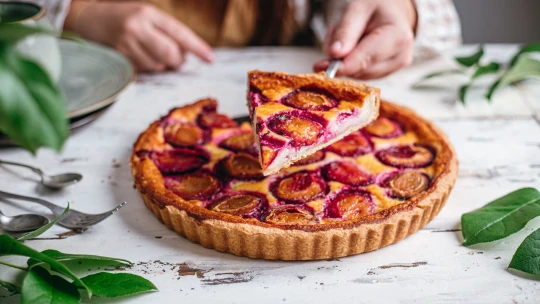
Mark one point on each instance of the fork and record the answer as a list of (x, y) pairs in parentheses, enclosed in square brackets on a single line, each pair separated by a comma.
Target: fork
[(333, 66), (73, 219)]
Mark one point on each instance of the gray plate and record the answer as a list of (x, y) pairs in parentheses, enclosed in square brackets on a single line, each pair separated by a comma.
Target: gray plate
[(92, 76)]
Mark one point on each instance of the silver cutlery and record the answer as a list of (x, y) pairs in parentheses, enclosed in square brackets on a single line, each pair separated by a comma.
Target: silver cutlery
[(73, 219), (52, 181), (23, 222), (333, 67)]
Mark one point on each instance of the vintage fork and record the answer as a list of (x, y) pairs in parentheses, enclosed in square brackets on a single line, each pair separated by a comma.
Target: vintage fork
[(73, 219)]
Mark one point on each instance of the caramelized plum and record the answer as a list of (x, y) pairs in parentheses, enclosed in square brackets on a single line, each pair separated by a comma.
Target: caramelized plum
[(183, 135), (238, 204), (350, 205), (299, 187), (384, 128), (303, 131), (290, 215), (179, 160), (346, 173), (413, 156), (408, 183), (200, 186), (313, 158), (215, 120), (242, 166), (352, 145), (256, 97), (310, 99), (242, 142)]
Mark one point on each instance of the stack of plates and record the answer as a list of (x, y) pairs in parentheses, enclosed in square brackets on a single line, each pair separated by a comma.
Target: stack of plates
[(92, 78)]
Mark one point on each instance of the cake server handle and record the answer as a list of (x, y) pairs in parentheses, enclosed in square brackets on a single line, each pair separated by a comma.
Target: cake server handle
[(333, 66)]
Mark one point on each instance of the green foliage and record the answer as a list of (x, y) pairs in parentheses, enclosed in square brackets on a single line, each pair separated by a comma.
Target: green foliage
[(501, 218), (527, 256), (112, 285), (41, 230), (520, 68), (32, 110), (43, 286), (39, 286)]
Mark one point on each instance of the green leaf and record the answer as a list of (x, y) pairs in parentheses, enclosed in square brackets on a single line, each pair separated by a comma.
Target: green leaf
[(529, 48), (10, 246), (442, 73), (525, 68), (500, 218), (490, 68), (527, 256), (41, 230), (10, 286), (492, 89), (39, 286), (12, 32), (59, 256), (463, 92), (469, 61), (32, 111), (112, 285)]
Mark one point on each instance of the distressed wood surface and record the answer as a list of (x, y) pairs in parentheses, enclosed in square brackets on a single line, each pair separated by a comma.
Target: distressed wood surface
[(498, 146)]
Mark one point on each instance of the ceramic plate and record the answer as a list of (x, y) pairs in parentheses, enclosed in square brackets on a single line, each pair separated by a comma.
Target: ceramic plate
[(92, 76)]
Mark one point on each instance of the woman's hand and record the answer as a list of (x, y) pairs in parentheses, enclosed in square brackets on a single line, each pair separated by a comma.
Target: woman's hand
[(374, 38), (150, 38)]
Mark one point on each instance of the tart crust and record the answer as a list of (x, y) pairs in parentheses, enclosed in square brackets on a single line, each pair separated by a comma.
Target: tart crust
[(256, 239)]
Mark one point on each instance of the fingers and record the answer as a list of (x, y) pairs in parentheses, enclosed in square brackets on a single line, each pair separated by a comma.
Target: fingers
[(160, 47), (386, 67), (379, 45), (141, 59), (350, 28), (327, 39), (185, 37)]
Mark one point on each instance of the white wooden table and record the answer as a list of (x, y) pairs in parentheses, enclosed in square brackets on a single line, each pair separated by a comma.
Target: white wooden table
[(498, 146)]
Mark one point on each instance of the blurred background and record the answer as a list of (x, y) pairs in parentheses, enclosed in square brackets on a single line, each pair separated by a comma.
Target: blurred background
[(502, 21)]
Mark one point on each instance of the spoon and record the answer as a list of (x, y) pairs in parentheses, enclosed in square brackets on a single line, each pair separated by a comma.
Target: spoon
[(23, 222), (52, 181)]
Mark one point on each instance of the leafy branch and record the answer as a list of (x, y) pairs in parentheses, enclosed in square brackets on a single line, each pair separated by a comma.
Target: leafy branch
[(519, 68), (504, 217), (48, 279), (32, 109)]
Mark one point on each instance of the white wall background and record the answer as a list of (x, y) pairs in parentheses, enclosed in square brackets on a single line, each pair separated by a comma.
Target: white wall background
[(499, 21)]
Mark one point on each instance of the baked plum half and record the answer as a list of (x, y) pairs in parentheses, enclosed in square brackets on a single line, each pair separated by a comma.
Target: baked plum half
[(313, 99), (300, 128), (184, 135), (299, 187), (200, 186), (408, 183), (179, 160), (241, 204), (290, 215), (411, 156), (350, 204), (346, 173), (215, 120), (352, 145), (384, 128), (242, 166), (241, 142)]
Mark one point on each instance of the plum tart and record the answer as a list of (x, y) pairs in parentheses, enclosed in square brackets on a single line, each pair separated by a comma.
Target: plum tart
[(198, 171), (295, 116)]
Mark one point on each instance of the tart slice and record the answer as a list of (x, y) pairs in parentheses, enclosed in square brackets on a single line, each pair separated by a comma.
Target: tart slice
[(294, 116)]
